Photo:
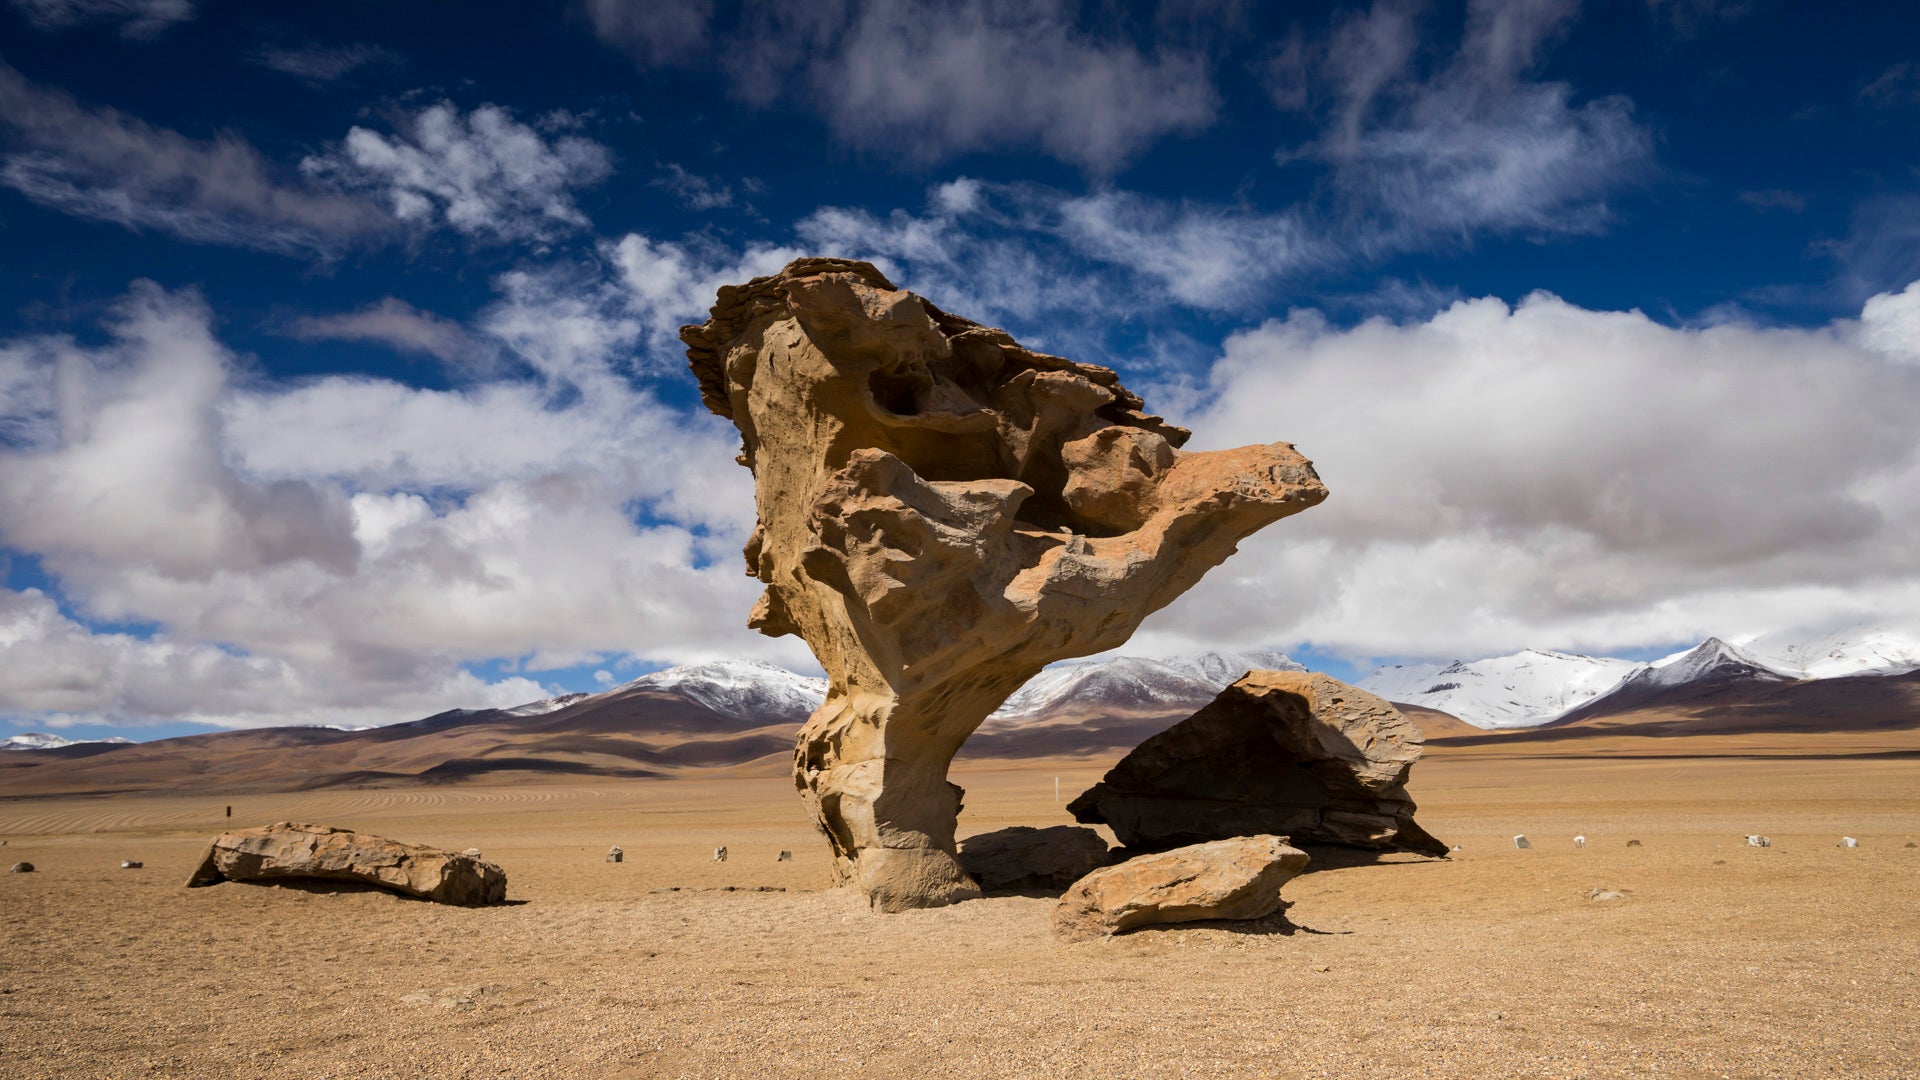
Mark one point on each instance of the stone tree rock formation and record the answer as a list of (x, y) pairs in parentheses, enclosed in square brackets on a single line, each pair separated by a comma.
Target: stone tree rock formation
[(1290, 752), (942, 513)]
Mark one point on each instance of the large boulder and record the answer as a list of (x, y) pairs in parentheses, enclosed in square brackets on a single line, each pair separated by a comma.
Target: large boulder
[(940, 514), (1286, 752), (1023, 857), (1225, 879), (290, 851)]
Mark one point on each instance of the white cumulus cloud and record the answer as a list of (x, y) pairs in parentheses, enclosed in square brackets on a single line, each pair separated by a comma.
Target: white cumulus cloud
[(344, 547), (1550, 476)]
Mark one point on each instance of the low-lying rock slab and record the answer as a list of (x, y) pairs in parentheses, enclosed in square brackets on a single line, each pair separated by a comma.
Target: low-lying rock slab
[(290, 851), (1287, 753), (1238, 878), (1023, 857)]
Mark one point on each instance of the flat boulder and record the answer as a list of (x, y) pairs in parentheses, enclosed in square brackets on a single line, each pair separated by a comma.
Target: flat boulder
[(1023, 857), (1224, 879), (289, 851), (1290, 753)]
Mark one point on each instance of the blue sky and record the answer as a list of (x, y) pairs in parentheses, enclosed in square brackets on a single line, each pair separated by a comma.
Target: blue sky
[(338, 378)]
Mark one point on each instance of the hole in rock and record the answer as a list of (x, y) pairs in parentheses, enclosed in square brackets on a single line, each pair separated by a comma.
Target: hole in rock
[(901, 393)]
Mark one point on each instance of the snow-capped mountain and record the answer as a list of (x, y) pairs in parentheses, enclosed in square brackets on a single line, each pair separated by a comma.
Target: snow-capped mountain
[(740, 688), (1136, 682), (1712, 660), (1534, 687), (1702, 673), (1857, 649), (545, 705), (1526, 689), (35, 740)]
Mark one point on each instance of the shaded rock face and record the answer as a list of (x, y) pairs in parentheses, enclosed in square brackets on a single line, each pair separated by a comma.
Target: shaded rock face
[(292, 851), (941, 514), (1288, 752), (1224, 879), (1025, 858)]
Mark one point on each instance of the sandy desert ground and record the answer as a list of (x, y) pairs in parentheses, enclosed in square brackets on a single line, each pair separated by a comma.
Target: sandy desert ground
[(1716, 960)]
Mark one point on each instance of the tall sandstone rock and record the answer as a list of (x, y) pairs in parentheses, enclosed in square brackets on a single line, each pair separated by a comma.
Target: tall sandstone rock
[(942, 513)]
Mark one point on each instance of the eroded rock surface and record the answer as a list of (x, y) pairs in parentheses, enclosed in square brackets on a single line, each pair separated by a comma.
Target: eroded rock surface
[(1023, 857), (1289, 752), (1224, 879), (290, 851), (942, 513)]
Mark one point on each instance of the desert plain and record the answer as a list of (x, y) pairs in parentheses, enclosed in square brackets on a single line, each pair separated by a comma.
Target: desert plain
[(1689, 954)]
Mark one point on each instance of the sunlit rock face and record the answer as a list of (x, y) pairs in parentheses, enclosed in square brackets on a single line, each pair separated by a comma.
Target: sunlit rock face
[(942, 513)]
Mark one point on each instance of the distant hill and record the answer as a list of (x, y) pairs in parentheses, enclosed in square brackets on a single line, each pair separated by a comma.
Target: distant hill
[(1740, 704), (734, 716), (741, 718)]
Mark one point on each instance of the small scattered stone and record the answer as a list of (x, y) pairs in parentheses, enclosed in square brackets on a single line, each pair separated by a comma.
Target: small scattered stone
[(719, 854), (1579, 841), (1912, 844), (131, 864), (1606, 894), (1849, 842), (448, 997), (784, 856), (20, 868), (1521, 841), (1633, 843), (1759, 841), (614, 854)]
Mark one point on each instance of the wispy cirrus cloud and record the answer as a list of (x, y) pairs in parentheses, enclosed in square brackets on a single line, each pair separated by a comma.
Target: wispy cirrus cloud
[(924, 81), (102, 164), (1477, 145), (693, 191), (396, 324), (1896, 87), (483, 173), (322, 65), (136, 18)]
